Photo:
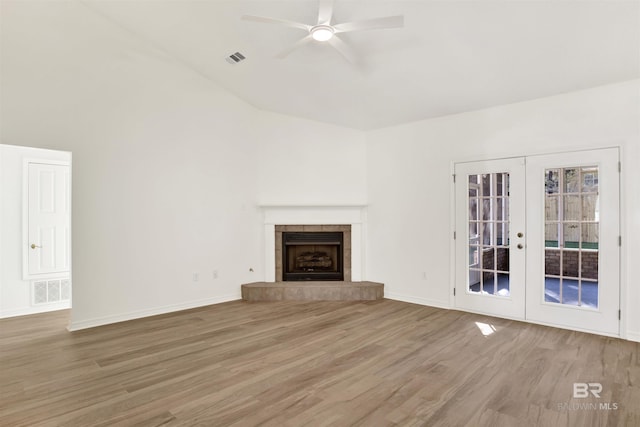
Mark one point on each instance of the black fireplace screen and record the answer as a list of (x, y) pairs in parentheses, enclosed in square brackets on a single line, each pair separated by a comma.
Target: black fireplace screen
[(312, 256)]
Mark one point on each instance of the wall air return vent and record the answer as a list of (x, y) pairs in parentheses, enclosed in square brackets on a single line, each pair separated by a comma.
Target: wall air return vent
[(48, 291), (235, 58)]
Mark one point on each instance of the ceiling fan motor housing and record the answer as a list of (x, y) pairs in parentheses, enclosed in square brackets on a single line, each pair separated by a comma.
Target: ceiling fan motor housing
[(322, 33)]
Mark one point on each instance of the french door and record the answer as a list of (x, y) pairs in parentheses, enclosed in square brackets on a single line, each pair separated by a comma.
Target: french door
[(537, 239), (573, 252), (490, 258)]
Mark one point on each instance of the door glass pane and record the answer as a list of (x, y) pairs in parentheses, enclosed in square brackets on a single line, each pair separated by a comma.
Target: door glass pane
[(571, 208), (551, 208), (473, 231), (487, 210), (474, 256), (488, 282), (551, 235), (502, 259), (488, 258), (590, 180), (501, 208), (589, 265), (473, 208), (552, 262), (502, 234), (552, 181), (486, 184), (571, 236), (590, 207), (590, 236), (570, 263), (570, 291), (474, 280), (489, 234), (571, 180)]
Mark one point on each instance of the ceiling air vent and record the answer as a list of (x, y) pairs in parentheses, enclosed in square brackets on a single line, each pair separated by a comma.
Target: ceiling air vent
[(235, 58)]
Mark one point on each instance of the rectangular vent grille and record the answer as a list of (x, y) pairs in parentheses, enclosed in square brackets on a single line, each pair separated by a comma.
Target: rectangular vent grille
[(235, 58), (312, 237), (48, 291)]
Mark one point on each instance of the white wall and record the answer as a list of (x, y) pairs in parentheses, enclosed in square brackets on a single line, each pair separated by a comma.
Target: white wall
[(15, 293), (168, 167), (306, 162), (313, 172), (409, 175)]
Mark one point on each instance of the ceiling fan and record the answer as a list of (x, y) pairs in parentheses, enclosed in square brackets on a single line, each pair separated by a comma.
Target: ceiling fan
[(325, 31)]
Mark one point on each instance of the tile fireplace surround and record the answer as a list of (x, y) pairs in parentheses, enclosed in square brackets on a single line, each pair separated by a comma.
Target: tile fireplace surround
[(348, 219)]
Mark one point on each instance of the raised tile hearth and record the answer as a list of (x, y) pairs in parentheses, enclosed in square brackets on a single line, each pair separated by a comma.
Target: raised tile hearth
[(312, 291)]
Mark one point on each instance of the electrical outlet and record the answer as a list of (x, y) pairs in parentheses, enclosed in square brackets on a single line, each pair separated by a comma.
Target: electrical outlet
[(196, 277)]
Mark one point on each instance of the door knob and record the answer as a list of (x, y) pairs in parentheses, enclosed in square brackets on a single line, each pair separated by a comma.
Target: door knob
[(33, 246), (520, 246), (520, 234)]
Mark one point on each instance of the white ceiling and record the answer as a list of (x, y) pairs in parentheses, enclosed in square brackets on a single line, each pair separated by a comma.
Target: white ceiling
[(450, 57)]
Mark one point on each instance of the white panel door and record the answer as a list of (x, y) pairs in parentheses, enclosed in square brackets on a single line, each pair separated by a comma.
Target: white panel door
[(490, 224), (48, 219), (573, 253)]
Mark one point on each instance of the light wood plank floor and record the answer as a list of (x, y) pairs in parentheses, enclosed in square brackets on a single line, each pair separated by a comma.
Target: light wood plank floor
[(377, 363)]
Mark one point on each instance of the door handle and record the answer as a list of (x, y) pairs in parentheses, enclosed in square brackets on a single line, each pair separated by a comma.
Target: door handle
[(520, 246), (33, 246)]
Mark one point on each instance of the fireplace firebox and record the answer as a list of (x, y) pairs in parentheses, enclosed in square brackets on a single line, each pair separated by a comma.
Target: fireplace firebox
[(312, 256)]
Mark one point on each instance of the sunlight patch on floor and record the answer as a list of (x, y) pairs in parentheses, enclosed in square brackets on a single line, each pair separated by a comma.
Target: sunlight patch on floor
[(486, 328)]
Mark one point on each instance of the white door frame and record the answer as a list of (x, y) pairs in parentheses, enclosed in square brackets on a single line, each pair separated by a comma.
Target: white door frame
[(25, 217)]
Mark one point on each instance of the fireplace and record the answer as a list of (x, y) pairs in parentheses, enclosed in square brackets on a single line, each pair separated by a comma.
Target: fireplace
[(308, 255), (312, 252)]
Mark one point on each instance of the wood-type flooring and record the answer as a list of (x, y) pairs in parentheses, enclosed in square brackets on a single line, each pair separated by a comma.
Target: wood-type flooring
[(292, 363)]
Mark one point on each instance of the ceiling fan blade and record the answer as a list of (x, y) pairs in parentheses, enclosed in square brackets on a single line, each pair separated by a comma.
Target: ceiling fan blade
[(343, 48), (371, 24), (299, 43), (325, 12), (276, 21)]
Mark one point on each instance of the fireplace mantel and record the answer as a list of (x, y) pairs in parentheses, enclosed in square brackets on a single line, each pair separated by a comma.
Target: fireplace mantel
[(315, 214)]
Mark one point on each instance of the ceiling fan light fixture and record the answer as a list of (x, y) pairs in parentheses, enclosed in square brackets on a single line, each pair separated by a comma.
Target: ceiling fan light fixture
[(322, 33)]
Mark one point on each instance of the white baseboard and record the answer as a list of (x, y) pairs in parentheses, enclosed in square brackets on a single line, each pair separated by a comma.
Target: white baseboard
[(44, 308), (123, 317), (418, 300), (633, 336)]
